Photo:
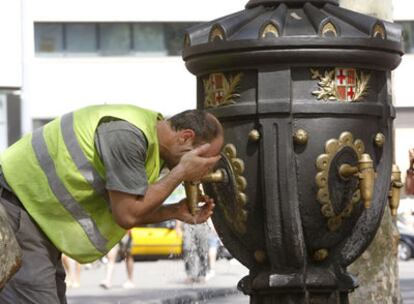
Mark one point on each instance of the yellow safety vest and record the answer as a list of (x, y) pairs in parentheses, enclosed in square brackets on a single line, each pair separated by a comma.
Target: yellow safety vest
[(57, 174)]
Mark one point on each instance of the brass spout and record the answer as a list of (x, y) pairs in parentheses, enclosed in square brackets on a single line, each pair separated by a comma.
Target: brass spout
[(366, 174), (193, 191), (394, 193), (366, 179)]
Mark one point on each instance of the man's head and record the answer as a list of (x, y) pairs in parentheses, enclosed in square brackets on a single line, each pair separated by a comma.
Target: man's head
[(188, 130)]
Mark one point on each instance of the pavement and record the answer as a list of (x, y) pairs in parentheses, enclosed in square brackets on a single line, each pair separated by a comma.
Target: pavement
[(160, 282), (163, 282), (407, 281)]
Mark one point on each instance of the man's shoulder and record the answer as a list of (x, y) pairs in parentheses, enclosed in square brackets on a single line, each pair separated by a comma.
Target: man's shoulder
[(121, 130), (118, 124)]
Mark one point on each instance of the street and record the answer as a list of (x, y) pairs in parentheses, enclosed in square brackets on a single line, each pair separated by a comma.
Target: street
[(161, 281), (407, 281), (155, 283)]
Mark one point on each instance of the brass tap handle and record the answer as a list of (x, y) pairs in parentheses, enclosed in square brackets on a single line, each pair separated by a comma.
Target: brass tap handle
[(218, 176), (396, 185), (346, 170), (366, 174), (193, 192)]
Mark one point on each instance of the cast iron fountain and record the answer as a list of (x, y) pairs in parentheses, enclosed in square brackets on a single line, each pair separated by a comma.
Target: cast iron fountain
[(303, 91)]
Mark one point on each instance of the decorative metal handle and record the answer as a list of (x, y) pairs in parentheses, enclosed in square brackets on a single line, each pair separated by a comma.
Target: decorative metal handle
[(366, 174), (193, 191), (394, 193)]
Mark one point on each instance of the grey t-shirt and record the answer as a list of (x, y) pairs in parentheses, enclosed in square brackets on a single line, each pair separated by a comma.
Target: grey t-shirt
[(122, 148)]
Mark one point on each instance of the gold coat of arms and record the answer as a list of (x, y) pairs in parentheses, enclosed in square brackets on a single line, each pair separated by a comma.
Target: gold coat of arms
[(342, 84), (220, 90)]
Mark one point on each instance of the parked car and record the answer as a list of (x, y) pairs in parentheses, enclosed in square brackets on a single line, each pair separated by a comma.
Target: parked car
[(406, 246), (156, 241)]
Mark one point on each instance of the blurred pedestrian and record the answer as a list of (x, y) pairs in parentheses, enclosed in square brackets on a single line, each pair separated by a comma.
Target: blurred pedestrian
[(121, 251), (195, 251), (73, 271), (213, 245), (409, 179)]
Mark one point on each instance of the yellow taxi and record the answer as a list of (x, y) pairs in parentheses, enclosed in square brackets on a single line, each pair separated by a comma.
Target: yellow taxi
[(158, 240)]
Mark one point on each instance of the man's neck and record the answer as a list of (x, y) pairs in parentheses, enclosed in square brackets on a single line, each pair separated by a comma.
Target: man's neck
[(163, 128)]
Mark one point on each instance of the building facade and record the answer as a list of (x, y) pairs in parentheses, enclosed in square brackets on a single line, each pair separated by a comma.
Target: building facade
[(402, 85), (58, 56)]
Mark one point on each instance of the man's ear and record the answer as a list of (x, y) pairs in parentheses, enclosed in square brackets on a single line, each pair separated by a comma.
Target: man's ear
[(186, 135)]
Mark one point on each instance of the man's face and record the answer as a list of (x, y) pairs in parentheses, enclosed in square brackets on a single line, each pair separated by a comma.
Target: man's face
[(215, 147), (181, 144), (185, 143)]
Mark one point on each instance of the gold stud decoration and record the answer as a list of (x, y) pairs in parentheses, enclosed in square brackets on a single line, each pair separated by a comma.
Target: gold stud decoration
[(260, 256), (379, 140), (300, 137), (328, 30), (217, 34), (269, 31), (254, 135), (320, 255), (379, 31), (187, 41)]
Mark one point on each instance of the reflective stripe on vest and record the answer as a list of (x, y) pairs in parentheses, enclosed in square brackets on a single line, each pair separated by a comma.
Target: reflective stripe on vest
[(79, 158), (62, 194)]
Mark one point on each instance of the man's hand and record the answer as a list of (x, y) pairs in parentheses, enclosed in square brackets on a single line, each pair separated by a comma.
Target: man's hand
[(194, 165), (184, 215)]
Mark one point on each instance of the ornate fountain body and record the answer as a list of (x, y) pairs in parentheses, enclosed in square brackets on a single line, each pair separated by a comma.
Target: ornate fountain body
[(303, 91)]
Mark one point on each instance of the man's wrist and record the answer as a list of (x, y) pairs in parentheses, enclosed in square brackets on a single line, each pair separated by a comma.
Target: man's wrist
[(173, 211), (178, 173)]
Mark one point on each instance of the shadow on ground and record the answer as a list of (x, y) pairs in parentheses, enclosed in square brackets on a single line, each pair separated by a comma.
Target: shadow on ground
[(154, 296), (407, 290)]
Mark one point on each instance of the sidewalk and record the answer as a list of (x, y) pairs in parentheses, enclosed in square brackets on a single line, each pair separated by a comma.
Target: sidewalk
[(160, 282)]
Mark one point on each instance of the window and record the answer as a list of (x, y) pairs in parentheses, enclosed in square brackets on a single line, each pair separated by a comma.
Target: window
[(81, 38), (114, 38), (49, 38), (149, 38), (174, 34), (408, 35), (110, 39)]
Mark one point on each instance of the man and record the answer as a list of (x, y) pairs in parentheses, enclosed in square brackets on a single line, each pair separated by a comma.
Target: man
[(75, 186)]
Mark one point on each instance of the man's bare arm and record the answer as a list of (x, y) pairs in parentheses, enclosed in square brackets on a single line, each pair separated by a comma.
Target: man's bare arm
[(125, 217), (131, 210)]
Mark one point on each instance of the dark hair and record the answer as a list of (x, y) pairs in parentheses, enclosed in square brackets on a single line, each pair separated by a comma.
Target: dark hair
[(204, 125)]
